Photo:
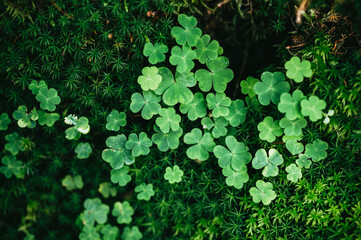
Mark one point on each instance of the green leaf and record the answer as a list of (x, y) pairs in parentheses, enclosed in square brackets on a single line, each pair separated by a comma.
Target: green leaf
[(166, 141), (156, 52), (291, 104), (268, 130), (12, 166), (294, 147), (294, 172), (139, 145), (173, 175), (71, 183), (120, 176), (263, 192), (202, 144), (109, 232), (131, 234), (89, 233), (150, 79), (34, 86), (269, 163), (316, 150), (4, 121), (14, 143), (235, 156), (189, 33), (237, 113), (25, 119), (219, 103), (117, 155), (313, 108), (48, 98), (219, 126), (106, 189), (168, 120), (123, 212), (47, 119), (182, 58), (293, 128), (236, 178), (94, 211), (115, 120), (248, 85), (303, 161), (83, 150), (81, 126), (197, 108), (271, 87), (218, 76), (148, 103), (145, 192), (206, 50), (297, 70)]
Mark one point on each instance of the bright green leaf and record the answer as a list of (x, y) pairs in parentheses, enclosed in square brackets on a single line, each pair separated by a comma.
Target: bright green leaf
[(47, 119), (219, 104), (269, 163), (293, 128), (165, 141), (168, 120), (139, 145), (248, 85), (237, 113), (115, 120), (197, 108), (313, 108), (83, 150), (14, 143), (123, 212), (12, 166), (148, 103), (235, 178), (297, 70), (106, 189), (71, 183), (291, 104), (145, 192), (4, 121), (294, 172), (294, 147), (269, 130), (34, 86), (316, 150), (173, 175), (131, 234), (303, 161), (25, 119), (206, 50), (150, 79), (94, 211), (117, 155), (182, 58), (189, 33), (202, 144), (156, 52), (263, 192), (48, 98)]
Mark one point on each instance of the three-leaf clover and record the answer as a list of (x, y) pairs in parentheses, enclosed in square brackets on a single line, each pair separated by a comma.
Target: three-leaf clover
[(12, 166), (148, 103), (205, 49), (165, 141), (123, 212), (235, 156), (269, 129), (156, 52), (219, 103), (131, 233), (173, 175), (145, 191), (115, 120), (94, 211), (47, 119), (25, 119), (294, 172), (189, 33), (269, 163), (297, 70), (34, 86), (139, 145), (293, 128), (71, 183), (150, 79), (81, 125), (316, 150), (247, 86), (182, 58), (168, 120), (197, 108), (117, 155), (89, 232), (109, 232), (271, 87), (218, 76), (107, 189), (219, 126), (4, 121), (120, 176), (14, 143), (236, 178), (237, 113), (313, 108), (48, 98), (291, 104), (263, 192), (294, 147), (83, 150), (303, 161), (202, 144)]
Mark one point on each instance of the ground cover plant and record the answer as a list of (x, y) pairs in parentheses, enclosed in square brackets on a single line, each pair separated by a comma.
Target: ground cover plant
[(119, 121)]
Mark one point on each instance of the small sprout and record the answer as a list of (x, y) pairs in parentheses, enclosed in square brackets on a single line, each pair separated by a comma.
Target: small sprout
[(173, 175), (316, 150), (294, 147), (148, 103), (247, 86), (150, 79), (156, 52), (293, 128), (83, 150), (202, 144), (25, 119), (237, 113), (123, 212), (269, 163), (182, 58), (197, 108), (303, 161), (294, 172), (117, 155), (269, 129), (219, 104), (271, 87), (206, 50), (120, 176), (106, 189), (14, 143), (145, 192), (109, 232), (94, 211), (139, 146), (297, 70), (48, 98), (115, 120), (313, 108), (165, 141), (12, 166), (34, 86), (89, 232), (71, 183), (236, 178), (47, 119), (263, 192), (131, 233), (189, 33), (329, 114), (4, 121), (168, 120), (291, 104)]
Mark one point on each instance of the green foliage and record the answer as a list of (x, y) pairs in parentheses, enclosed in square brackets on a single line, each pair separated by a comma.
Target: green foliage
[(123, 212), (293, 128), (268, 163), (269, 129), (89, 232), (166, 141), (202, 144), (26, 119), (83, 150), (156, 52), (145, 191), (148, 103), (294, 172), (71, 183), (115, 120), (182, 58), (236, 178), (312, 108), (219, 104), (197, 108), (95, 211), (291, 104), (248, 85), (12, 166), (263, 192), (106, 189), (47, 119), (294, 147), (4, 121), (297, 70), (117, 155), (218, 126), (303, 161), (150, 79), (120, 176), (81, 126), (14, 144), (139, 145), (48, 98), (316, 150), (168, 120), (189, 33), (131, 233), (109, 232), (206, 49), (173, 175), (237, 113)]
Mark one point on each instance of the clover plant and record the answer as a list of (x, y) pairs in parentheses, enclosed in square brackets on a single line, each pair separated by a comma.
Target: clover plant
[(117, 155), (4, 121), (83, 150), (316, 150), (47, 119), (269, 129), (81, 126), (148, 103), (120, 176), (263, 192), (139, 145), (173, 175), (303, 161), (145, 191), (72, 182), (297, 70), (156, 52), (168, 120), (34, 86), (95, 211), (115, 120), (312, 108), (197, 108), (12, 166), (26, 119), (203, 144), (131, 233), (123, 212), (106, 189), (268, 163), (206, 49), (294, 172), (247, 86), (110, 232), (150, 79), (48, 98), (14, 144)]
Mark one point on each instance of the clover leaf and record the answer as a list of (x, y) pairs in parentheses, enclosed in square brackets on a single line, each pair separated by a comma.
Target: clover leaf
[(173, 175), (219, 126), (294, 172), (4, 121), (205, 49), (189, 33), (148, 103), (294, 147), (269, 130), (182, 58), (248, 85), (316, 150), (235, 156), (263, 192), (94, 211), (115, 120), (197, 108), (237, 113), (156, 52), (83, 150), (218, 76), (131, 234), (145, 192), (293, 128), (271, 87), (47, 119), (291, 104), (296, 69), (236, 178), (202, 144), (109, 232), (12, 166), (139, 145), (14, 143), (107, 189), (89, 233), (123, 212), (313, 108), (117, 155), (168, 120), (71, 183), (120, 176), (219, 103), (165, 141), (207, 123), (303, 161), (81, 125), (286, 138), (269, 163), (48, 98), (25, 119), (150, 79), (34, 86)]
